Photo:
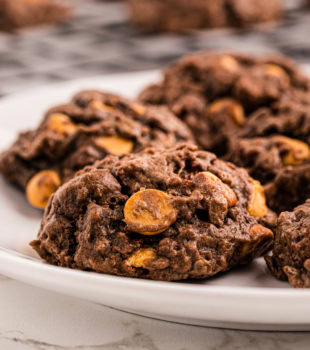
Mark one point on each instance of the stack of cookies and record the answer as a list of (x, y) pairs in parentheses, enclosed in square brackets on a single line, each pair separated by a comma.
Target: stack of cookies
[(173, 186), (254, 112)]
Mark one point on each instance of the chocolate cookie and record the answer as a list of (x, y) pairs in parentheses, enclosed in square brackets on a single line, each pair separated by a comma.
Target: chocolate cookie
[(291, 253), (216, 94), (16, 14), (253, 111), (289, 116), (181, 15), (160, 214), (281, 155), (77, 134), (282, 164), (290, 187), (264, 157)]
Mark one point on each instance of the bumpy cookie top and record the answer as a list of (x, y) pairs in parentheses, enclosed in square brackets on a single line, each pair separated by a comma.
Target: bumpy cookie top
[(77, 134), (216, 94), (289, 116), (161, 214), (290, 187), (179, 16), (244, 77), (265, 157), (291, 252)]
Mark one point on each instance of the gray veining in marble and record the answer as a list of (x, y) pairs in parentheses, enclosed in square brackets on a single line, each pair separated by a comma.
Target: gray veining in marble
[(100, 39), (3, 278), (138, 341), (32, 318)]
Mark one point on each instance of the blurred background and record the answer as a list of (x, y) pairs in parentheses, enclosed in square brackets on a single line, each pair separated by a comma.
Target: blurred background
[(98, 37)]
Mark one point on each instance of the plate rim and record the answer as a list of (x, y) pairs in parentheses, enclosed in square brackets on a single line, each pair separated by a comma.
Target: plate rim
[(242, 291), (37, 272), (6, 253)]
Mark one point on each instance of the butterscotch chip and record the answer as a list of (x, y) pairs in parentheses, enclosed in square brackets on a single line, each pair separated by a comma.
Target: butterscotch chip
[(139, 108), (299, 151), (41, 186), (141, 256), (114, 144), (258, 230), (230, 106), (257, 204), (245, 249), (61, 124), (149, 212), (229, 63), (258, 234), (96, 104), (276, 71)]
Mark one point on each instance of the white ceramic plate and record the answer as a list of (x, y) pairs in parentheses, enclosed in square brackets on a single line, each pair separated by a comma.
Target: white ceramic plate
[(246, 298)]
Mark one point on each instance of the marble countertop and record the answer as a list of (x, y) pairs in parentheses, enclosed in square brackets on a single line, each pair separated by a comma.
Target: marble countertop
[(99, 39), (31, 318)]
